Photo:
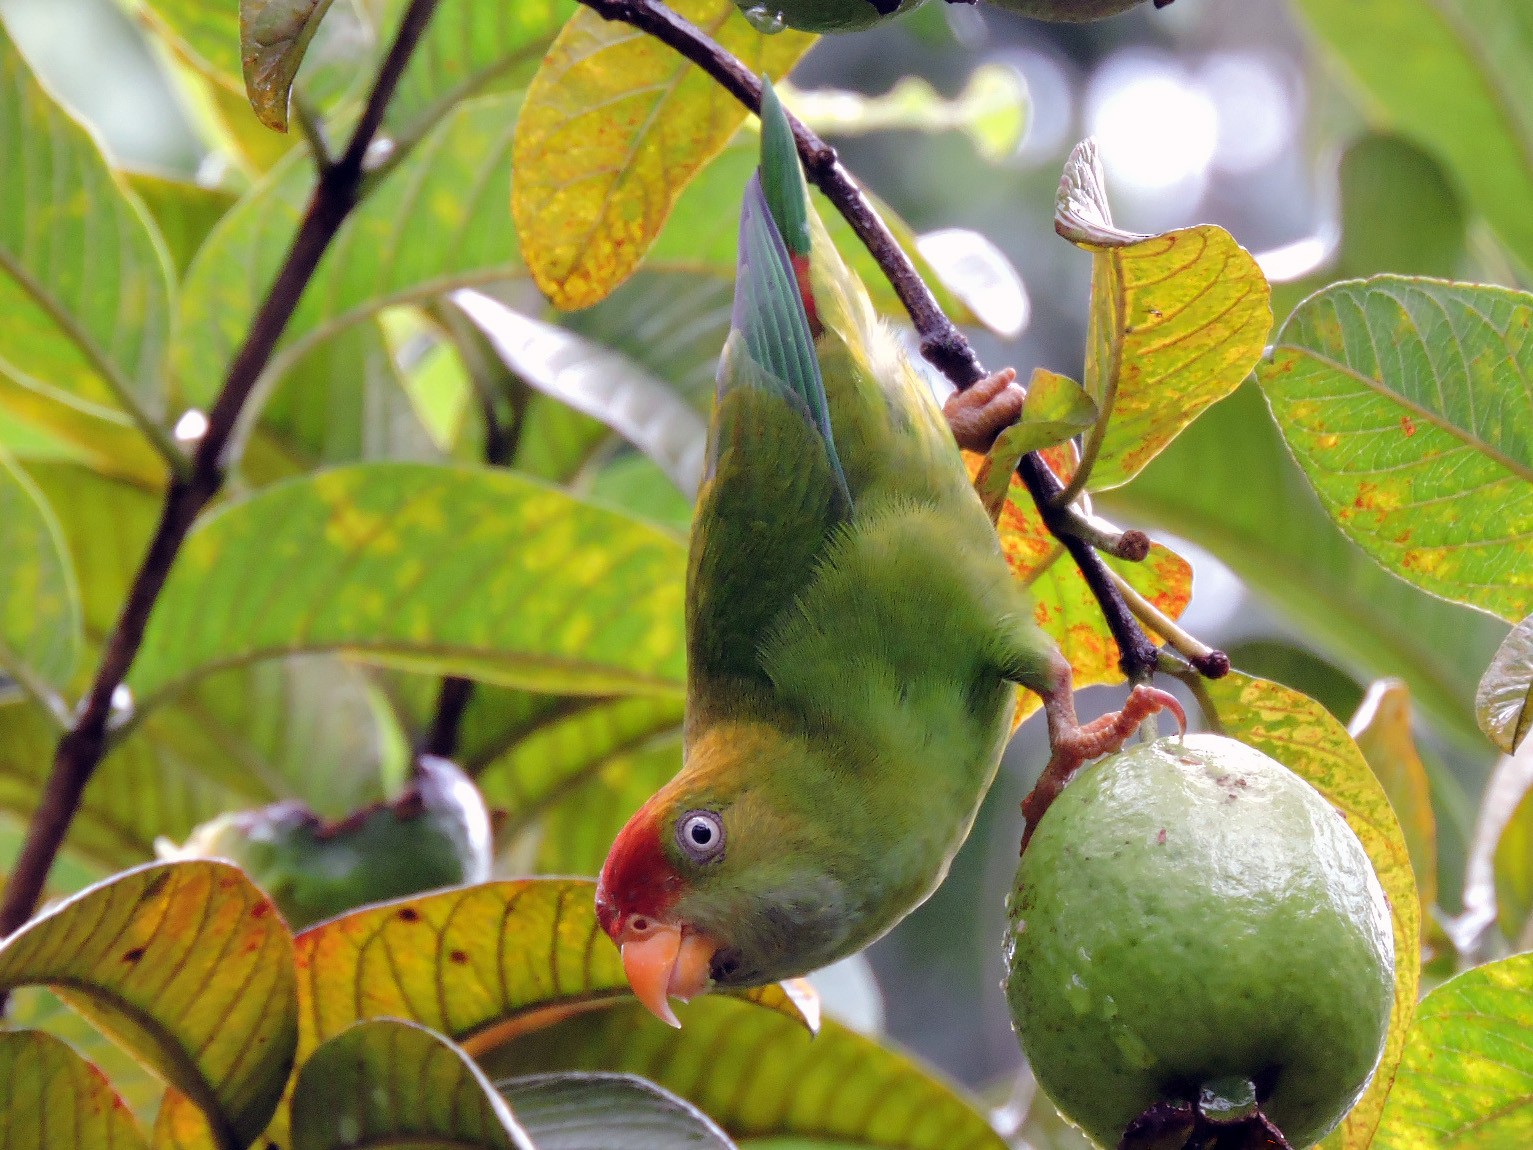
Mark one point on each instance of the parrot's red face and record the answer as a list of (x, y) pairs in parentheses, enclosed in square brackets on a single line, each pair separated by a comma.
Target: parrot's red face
[(636, 897)]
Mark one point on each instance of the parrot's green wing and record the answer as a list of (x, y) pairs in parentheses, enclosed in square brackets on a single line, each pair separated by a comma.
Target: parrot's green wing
[(773, 490)]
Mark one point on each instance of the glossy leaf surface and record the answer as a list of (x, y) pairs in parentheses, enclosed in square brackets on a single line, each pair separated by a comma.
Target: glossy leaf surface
[(585, 1110), (1308, 740), (188, 965), (615, 125), (1503, 704), (1467, 1077), (1405, 402), (565, 595)]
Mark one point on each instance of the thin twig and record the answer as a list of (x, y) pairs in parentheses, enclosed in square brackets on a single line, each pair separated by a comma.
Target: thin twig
[(942, 343), (1207, 661), (83, 745)]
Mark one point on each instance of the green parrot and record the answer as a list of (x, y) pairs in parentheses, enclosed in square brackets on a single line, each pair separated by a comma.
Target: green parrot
[(854, 636)]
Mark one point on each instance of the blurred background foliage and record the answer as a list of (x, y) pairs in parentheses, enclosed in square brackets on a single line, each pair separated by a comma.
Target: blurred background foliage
[(1208, 111)]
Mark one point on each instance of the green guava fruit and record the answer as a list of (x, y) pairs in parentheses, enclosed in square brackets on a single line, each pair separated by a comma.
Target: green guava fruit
[(1188, 914), (1070, 11), (437, 835), (822, 15)]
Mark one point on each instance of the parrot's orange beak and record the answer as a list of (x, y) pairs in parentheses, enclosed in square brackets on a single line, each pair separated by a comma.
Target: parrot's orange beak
[(664, 961)]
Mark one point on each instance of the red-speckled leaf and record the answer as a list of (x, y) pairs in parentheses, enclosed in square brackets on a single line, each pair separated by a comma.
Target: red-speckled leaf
[(1062, 603), (1406, 402), (1466, 1081), (1307, 739), (614, 126), (758, 1075), (1177, 321), (54, 1100), (189, 966)]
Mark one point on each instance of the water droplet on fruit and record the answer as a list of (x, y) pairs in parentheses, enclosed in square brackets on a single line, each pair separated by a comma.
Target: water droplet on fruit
[(766, 19)]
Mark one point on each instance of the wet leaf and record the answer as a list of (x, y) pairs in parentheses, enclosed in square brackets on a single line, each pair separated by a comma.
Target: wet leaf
[(387, 1083), (189, 966), (615, 125), (758, 1075), (1466, 1080), (1503, 704), (1382, 730), (596, 1111), (1177, 321), (437, 222), (1452, 74), (1056, 409), (40, 631), (379, 559), (84, 282), (274, 34), (600, 382), (55, 1100), (1228, 484), (1063, 605), (1308, 740), (479, 965), (1404, 401)]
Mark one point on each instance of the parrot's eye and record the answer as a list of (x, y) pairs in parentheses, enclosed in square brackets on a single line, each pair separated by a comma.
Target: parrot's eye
[(701, 835)]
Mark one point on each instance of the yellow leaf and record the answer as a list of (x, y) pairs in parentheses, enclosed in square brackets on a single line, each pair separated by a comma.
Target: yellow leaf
[(54, 1100), (1302, 735), (614, 126), (1382, 729)]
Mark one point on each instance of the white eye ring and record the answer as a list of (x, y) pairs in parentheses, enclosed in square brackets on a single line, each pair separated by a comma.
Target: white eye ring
[(700, 834)]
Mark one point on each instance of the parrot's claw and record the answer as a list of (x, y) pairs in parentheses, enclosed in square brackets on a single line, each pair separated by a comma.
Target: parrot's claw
[(981, 412), (1074, 744)]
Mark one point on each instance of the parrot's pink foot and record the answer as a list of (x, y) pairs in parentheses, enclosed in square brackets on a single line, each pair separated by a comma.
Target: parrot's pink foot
[(1074, 745), (980, 413)]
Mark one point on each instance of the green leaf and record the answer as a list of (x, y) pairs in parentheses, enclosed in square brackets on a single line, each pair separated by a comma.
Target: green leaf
[(596, 1111), (1405, 402), (40, 629), (84, 282), (1454, 75), (1228, 484), (600, 382), (616, 124), (55, 1100), (1177, 321), (578, 830), (1487, 878), (38, 1009), (478, 572), (1056, 409), (189, 966), (436, 223), (1381, 728), (1308, 740), (207, 33), (1503, 704), (757, 1074), (390, 1083), (1467, 1077), (481, 964), (1514, 875), (274, 35), (183, 212)]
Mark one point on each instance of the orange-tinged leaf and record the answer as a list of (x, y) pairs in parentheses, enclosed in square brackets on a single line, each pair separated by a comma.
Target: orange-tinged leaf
[(614, 126), (1177, 321), (1382, 730), (1307, 739), (479, 964), (1063, 604), (180, 1125), (54, 1100), (189, 966), (758, 1075)]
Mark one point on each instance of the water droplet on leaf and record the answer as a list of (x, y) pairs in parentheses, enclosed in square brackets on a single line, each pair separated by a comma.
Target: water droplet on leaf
[(766, 19)]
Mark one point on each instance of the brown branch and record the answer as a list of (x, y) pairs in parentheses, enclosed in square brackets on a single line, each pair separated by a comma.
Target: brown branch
[(80, 750), (942, 343)]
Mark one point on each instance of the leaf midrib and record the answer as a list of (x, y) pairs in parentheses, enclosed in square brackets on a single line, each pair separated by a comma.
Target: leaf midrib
[(1441, 422)]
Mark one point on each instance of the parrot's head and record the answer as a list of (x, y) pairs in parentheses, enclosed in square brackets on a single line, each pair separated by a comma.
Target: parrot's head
[(719, 881)]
